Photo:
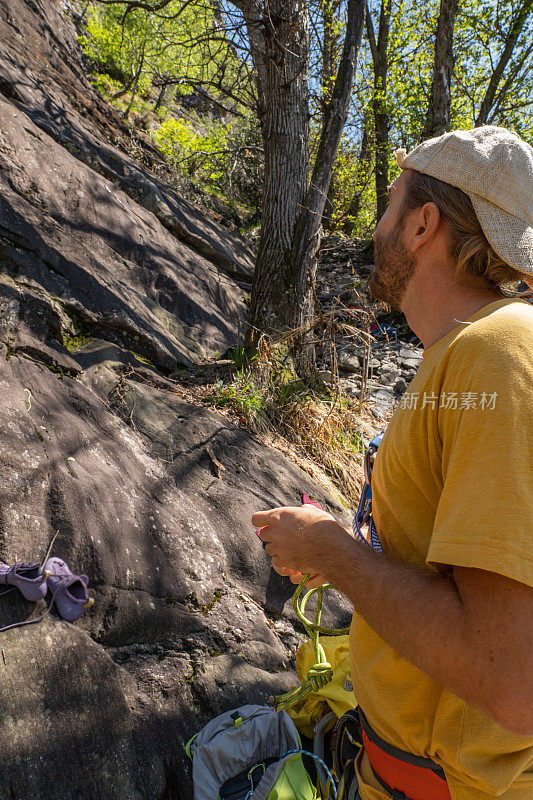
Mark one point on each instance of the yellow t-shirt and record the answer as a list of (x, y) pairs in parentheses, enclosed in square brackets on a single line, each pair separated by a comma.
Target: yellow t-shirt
[(453, 485)]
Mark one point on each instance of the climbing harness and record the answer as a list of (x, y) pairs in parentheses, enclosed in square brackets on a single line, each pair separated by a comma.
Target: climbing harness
[(403, 775), (364, 510)]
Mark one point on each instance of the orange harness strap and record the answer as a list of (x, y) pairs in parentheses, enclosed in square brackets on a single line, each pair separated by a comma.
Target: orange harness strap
[(405, 776)]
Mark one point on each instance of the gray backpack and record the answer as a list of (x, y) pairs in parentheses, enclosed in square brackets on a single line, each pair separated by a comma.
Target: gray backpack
[(248, 754)]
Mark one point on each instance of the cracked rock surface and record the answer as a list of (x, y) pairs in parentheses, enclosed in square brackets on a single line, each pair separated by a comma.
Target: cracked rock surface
[(187, 609)]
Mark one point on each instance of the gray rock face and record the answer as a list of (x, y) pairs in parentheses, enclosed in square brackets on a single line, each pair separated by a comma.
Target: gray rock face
[(71, 236), (181, 627), (65, 701), (101, 451), (72, 219)]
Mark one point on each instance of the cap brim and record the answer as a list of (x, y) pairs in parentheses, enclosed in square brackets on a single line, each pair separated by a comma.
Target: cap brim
[(400, 155), (510, 236)]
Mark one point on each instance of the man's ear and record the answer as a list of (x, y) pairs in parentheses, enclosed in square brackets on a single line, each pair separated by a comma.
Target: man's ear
[(425, 225)]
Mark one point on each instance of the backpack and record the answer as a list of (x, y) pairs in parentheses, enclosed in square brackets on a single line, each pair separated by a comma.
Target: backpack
[(250, 753)]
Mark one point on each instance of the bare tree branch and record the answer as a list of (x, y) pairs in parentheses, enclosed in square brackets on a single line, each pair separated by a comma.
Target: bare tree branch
[(511, 39), (510, 80), (438, 112)]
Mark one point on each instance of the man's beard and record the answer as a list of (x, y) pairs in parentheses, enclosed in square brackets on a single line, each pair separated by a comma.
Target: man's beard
[(394, 267)]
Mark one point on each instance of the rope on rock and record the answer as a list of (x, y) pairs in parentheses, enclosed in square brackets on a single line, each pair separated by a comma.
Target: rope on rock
[(321, 672)]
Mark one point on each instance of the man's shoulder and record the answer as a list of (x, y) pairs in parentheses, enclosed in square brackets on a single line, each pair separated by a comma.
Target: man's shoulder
[(504, 333)]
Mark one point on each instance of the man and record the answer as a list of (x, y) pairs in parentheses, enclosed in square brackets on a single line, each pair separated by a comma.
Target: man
[(442, 634)]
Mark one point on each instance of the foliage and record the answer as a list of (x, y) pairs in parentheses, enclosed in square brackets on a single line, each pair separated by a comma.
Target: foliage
[(240, 357), (352, 179), (479, 38), (150, 64), (268, 396), (243, 395), (224, 156), (182, 48), (193, 46), (480, 31), (185, 147)]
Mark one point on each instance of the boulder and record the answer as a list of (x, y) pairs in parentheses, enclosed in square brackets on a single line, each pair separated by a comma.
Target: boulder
[(350, 362)]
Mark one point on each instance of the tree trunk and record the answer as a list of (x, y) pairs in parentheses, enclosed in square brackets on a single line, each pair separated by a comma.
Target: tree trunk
[(307, 235), (330, 63), (330, 48), (135, 84), (438, 113), (161, 95), (379, 50), (280, 49), (292, 208), (515, 30)]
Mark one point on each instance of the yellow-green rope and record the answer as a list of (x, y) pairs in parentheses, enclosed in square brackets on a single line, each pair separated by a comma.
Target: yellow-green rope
[(321, 672)]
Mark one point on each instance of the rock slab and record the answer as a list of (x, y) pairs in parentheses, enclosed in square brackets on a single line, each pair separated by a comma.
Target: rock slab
[(109, 282)]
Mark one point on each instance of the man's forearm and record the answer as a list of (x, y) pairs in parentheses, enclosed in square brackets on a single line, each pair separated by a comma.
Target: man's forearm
[(470, 630), (421, 614), (410, 608)]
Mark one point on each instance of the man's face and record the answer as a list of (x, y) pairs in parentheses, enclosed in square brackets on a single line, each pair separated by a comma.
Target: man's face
[(394, 263)]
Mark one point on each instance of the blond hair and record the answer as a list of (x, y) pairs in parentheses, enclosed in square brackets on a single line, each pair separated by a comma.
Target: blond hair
[(474, 256)]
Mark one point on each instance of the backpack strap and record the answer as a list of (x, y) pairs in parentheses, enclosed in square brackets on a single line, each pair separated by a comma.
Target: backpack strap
[(189, 743)]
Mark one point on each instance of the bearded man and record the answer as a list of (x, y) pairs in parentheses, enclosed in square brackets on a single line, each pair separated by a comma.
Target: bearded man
[(441, 640)]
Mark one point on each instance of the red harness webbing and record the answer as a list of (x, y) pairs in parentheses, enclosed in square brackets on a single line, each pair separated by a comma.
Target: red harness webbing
[(403, 778)]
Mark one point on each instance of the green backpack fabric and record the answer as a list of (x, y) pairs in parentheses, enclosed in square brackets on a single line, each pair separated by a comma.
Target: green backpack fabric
[(292, 782), (246, 754)]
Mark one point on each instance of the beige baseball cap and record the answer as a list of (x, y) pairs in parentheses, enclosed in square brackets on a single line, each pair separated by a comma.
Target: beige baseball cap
[(494, 167)]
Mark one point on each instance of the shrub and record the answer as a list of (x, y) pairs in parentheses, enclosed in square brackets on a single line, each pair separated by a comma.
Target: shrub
[(225, 156)]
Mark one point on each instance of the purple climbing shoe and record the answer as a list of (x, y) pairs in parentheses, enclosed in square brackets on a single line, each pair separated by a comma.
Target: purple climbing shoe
[(30, 579), (69, 591)]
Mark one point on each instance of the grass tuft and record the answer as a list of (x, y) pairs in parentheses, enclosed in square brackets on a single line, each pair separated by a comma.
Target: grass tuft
[(322, 423), (73, 343)]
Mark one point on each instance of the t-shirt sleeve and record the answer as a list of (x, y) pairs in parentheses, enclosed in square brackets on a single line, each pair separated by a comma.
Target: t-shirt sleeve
[(484, 517)]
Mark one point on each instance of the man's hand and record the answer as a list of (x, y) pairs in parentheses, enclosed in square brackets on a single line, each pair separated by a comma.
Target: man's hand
[(296, 577), (300, 540)]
